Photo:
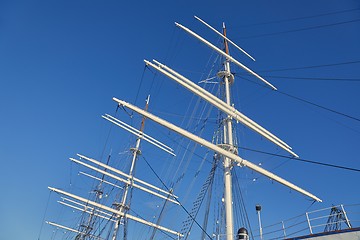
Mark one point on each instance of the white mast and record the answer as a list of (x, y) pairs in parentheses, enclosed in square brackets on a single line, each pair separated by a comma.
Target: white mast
[(122, 207), (228, 141)]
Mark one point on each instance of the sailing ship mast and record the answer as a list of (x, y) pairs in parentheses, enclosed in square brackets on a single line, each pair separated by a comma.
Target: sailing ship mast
[(119, 210), (228, 79), (124, 205), (226, 149)]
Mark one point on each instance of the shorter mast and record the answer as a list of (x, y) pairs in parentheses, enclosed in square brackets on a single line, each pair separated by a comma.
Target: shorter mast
[(124, 205)]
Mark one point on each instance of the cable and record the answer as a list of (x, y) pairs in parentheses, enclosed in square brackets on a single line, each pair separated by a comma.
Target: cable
[(319, 106), (141, 81), (43, 220), (301, 29), (182, 206), (300, 18), (302, 160), (311, 103), (316, 78), (312, 66)]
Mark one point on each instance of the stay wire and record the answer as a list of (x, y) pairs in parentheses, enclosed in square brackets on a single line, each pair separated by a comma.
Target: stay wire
[(43, 220), (319, 106), (311, 103), (316, 78), (182, 206), (311, 66), (301, 29), (301, 18), (302, 160), (140, 85)]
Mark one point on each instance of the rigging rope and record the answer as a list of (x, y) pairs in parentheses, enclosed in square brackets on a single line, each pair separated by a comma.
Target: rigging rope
[(182, 206), (311, 103), (43, 220), (316, 78), (301, 29), (300, 18), (302, 160), (312, 66), (319, 106), (188, 223)]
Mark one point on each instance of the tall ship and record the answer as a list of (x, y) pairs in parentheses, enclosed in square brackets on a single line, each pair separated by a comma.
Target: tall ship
[(180, 176)]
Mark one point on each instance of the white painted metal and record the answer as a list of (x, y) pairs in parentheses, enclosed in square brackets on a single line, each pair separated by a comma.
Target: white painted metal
[(125, 175), (221, 105), (106, 208), (68, 229), (141, 133), (87, 206), (99, 179), (119, 123), (346, 217), (217, 149), (126, 181), (227, 39), (85, 210), (236, 114), (128, 187), (228, 163), (224, 54), (260, 226)]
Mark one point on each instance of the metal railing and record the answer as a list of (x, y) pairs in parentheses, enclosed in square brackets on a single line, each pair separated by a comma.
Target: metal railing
[(318, 221)]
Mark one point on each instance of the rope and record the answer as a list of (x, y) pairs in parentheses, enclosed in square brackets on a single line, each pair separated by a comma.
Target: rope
[(303, 160), (182, 206), (301, 29), (43, 220)]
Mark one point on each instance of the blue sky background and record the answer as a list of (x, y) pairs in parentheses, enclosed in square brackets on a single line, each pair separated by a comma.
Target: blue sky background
[(61, 62)]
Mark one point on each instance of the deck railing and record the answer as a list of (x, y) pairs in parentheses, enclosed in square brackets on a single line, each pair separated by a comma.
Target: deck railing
[(323, 220)]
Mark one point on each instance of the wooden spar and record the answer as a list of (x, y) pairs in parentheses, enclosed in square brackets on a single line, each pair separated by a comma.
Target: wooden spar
[(217, 149), (225, 38)]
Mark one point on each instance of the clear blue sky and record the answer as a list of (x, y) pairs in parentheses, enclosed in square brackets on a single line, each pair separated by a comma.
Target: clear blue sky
[(61, 62)]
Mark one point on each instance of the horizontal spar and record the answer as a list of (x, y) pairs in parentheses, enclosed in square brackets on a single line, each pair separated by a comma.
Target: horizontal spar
[(221, 35), (124, 174), (221, 105), (87, 211), (216, 148), (126, 181), (225, 55), (71, 229), (139, 134), (106, 208)]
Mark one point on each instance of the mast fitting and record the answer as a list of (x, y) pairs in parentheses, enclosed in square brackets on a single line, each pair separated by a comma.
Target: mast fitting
[(229, 75)]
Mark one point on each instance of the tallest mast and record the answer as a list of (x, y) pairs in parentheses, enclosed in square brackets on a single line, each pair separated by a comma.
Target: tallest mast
[(228, 79)]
